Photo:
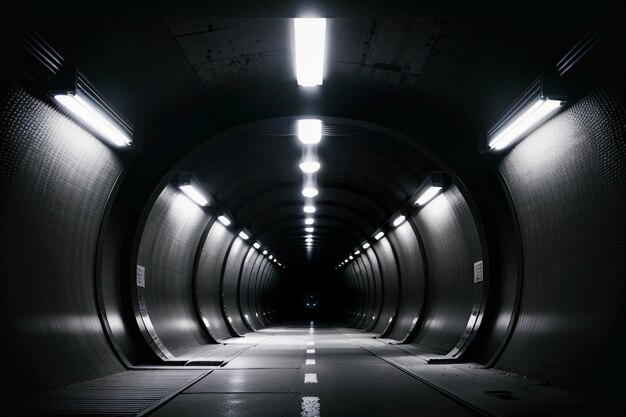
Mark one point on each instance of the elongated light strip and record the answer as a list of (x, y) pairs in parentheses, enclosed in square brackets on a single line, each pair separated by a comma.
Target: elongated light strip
[(310, 36), (309, 131), (427, 195), (309, 209), (256, 245), (542, 108), (309, 221), (195, 195), (366, 245), (379, 235), (308, 229), (357, 252), (399, 220), (243, 235), (92, 117), (224, 220)]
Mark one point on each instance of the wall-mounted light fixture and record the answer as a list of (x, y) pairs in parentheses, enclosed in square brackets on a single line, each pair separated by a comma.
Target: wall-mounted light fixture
[(192, 188), (75, 94), (398, 220), (224, 220), (432, 186), (540, 101)]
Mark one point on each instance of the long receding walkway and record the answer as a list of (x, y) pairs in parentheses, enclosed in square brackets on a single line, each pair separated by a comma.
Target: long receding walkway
[(310, 370)]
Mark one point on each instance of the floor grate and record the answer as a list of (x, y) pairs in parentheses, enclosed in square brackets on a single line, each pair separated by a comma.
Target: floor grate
[(122, 394)]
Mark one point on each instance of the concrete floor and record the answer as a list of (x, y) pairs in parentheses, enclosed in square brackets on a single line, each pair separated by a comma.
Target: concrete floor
[(309, 371)]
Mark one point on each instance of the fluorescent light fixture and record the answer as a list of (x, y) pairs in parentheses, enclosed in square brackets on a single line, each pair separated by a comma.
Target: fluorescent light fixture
[(428, 195), (76, 95), (310, 361), (379, 235), (540, 110), (271, 257), (256, 245), (90, 115), (309, 229), (264, 252), (310, 34), (275, 260), (345, 261), (309, 236), (224, 220), (310, 192), (366, 245), (310, 131), (309, 209), (309, 221), (243, 235), (358, 252), (350, 257), (192, 189), (399, 220), (194, 195), (309, 240), (310, 167), (539, 102), (279, 264)]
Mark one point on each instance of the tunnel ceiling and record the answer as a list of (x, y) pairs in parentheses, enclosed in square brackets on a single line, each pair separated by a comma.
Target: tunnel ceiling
[(365, 177), (159, 67)]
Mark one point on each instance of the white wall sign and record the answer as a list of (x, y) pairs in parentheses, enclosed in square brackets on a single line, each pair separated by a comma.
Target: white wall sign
[(141, 276), (478, 271)]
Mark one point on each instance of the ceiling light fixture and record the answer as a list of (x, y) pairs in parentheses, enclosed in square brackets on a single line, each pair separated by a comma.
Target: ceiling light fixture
[(309, 209), (310, 192), (264, 252), (243, 235), (310, 167), (366, 245), (256, 245), (357, 252), (309, 229), (309, 221), (309, 131), (379, 235), (310, 34)]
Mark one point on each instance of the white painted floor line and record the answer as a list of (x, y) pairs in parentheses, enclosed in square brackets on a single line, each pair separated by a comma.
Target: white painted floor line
[(310, 351), (310, 361), (310, 378), (310, 407)]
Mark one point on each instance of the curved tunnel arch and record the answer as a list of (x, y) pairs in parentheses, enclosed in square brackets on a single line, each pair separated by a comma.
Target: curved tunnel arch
[(98, 210)]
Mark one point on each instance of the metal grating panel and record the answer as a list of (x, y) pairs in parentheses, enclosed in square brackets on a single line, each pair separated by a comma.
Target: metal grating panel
[(124, 393)]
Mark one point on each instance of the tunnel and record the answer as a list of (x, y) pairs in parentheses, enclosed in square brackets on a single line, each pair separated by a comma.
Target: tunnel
[(312, 211)]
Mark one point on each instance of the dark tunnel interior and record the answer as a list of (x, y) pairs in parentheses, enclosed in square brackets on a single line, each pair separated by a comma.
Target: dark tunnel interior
[(317, 210)]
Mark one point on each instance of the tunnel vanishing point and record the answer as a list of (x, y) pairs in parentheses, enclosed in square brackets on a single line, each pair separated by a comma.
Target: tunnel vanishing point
[(312, 212)]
